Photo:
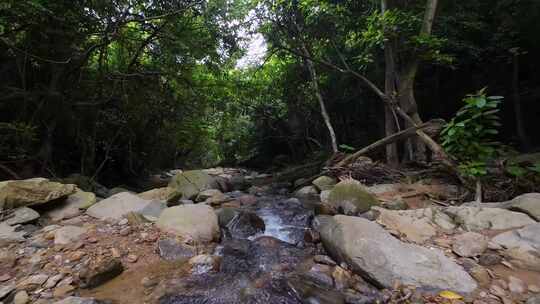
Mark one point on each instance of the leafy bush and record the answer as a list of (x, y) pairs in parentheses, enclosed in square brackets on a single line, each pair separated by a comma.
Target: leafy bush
[(469, 136)]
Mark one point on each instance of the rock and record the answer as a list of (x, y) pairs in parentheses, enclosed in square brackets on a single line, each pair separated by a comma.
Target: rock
[(522, 246), (71, 206), (171, 250), (475, 218), (310, 291), (22, 215), (52, 281), (322, 274), (533, 300), (101, 272), (117, 206), (68, 234), (5, 290), (152, 211), (481, 275), (516, 285), (77, 300), (417, 225), (204, 263), (351, 198), (206, 194), (324, 259), (117, 190), (21, 297), (527, 203), (162, 194), (10, 233), (489, 259), (324, 195), (243, 224), (384, 188), (190, 183), (33, 281), (342, 278), (246, 199), (306, 191), (64, 290), (217, 199), (132, 258), (30, 192), (383, 259), (324, 182), (470, 244), (197, 223)]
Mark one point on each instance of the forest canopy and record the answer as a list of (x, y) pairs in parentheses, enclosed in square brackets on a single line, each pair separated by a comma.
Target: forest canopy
[(113, 89)]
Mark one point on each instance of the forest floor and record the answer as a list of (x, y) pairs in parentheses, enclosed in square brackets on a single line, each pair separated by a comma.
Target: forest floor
[(487, 254)]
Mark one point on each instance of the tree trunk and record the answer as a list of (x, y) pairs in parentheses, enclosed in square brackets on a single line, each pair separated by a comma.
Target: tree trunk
[(390, 119), (326, 117), (520, 129)]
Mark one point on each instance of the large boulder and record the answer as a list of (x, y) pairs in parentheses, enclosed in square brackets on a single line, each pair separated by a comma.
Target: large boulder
[(522, 246), (324, 182), (117, 206), (351, 197), (528, 203), (72, 206), (240, 224), (190, 183), (476, 218), (196, 223), (384, 260), (417, 225), (30, 192)]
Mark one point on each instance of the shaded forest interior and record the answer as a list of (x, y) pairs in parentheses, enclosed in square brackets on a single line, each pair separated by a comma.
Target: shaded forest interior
[(118, 89)]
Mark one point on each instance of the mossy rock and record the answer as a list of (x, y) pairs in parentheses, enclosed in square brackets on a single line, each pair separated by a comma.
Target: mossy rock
[(30, 192), (190, 183), (351, 197), (324, 182)]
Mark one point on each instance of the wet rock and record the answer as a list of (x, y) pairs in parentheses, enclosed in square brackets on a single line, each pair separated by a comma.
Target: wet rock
[(306, 191), (324, 182), (21, 297), (197, 223), (117, 206), (101, 272), (312, 236), (322, 274), (309, 291), (68, 234), (470, 244), (474, 218), (372, 251), (245, 224), (351, 198), (190, 183), (22, 215), (204, 263), (170, 250), (417, 225), (522, 245), (30, 192), (528, 203), (72, 206)]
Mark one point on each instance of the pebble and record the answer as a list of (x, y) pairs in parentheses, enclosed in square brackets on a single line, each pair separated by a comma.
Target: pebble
[(148, 282), (115, 252), (324, 259), (123, 222), (92, 240), (62, 291), (497, 291), (534, 288), (52, 281), (4, 277), (34, 280), (125, 231)]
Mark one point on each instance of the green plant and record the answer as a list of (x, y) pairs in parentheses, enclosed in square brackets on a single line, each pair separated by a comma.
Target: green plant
[(469, 136)]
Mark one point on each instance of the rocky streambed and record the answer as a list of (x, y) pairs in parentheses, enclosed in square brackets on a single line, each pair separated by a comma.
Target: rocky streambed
[(214, 237)]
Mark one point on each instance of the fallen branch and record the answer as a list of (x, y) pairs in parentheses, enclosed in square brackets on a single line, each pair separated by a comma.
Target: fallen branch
[(382, 143)]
